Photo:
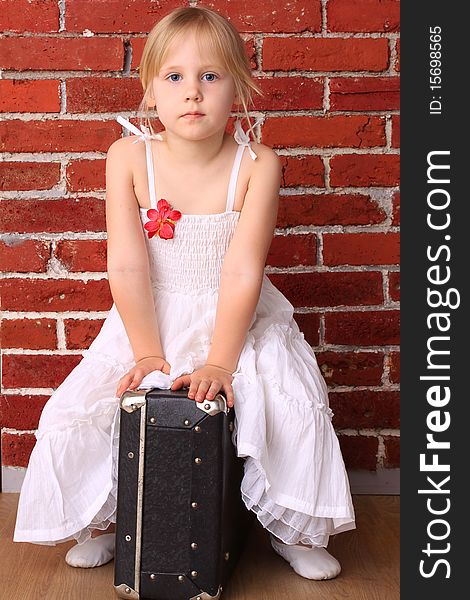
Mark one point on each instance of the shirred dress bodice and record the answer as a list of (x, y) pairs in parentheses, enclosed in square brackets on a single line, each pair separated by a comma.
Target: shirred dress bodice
[(191, 261)]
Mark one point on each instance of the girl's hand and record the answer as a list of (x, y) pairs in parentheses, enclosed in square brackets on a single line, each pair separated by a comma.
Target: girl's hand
[(132, 379), (205, 383)]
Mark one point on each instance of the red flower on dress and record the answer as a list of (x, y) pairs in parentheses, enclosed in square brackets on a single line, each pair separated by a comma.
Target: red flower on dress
[(162, 220)]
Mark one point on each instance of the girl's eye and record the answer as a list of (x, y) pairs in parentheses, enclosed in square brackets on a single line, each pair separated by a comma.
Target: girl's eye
[(212, 75)]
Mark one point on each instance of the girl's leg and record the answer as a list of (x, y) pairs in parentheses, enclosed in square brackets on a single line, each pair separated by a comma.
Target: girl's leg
[(312, 562)]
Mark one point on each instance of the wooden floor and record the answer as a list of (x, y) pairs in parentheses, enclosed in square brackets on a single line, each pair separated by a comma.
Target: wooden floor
[(369, 556)]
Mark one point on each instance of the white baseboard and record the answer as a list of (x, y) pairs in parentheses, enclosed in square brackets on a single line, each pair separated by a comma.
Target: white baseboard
[(12, 478), (382, 482)]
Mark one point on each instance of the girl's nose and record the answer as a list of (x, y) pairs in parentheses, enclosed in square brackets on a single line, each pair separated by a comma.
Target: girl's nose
[(193, 92), (193, 95)]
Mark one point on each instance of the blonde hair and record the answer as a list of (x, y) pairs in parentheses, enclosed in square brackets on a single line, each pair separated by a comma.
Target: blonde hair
[(214, 33)]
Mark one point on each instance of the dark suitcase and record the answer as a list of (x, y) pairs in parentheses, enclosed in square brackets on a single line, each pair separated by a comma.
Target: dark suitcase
[(180, 523)]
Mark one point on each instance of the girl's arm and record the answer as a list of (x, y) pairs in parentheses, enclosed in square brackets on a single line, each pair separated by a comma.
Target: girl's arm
[(127, 258), (243, 267)]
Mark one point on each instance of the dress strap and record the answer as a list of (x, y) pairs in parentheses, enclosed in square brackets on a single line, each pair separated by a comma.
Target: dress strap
[(145, 136), (243, 140)]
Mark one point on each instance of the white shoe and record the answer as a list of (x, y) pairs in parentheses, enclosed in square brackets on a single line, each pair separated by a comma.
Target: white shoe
[(309, 562), (94, 552)]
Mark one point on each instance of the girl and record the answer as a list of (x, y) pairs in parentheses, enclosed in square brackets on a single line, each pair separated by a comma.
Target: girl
[(190, 216)]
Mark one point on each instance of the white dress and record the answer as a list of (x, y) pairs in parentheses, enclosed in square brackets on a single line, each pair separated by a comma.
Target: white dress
[(294, 480)]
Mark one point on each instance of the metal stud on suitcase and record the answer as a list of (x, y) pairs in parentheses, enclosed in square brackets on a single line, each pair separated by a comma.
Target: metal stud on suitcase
[(181, 523)]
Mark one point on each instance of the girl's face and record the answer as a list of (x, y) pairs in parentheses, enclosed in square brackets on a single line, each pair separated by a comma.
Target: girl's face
[(190, 81)]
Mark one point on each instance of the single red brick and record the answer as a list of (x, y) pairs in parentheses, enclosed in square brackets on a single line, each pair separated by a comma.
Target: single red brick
[(33, 334), (26, 95), (325, 54), (365, 93), (55, 294), (37, 370), (348, 131), (307, 170), (86, 175), (23, 256), (330, 289), (394, 285), (392, 452), (289, 93), (293, 250), (38, 215), (361, 248), (137, 45), (61, 54), (396, 209), (309, 324), (395, 131), (80, 333), (103, 94), (19, 175), (394, 374), (366, 15), (329, 209), (16, 449), (351, 368), (21, 412), (359, 452), (82, 255), (368, 328), (38, 16), (58, 135), (365, 409), (397, 62), (365, 170), (271, 16)]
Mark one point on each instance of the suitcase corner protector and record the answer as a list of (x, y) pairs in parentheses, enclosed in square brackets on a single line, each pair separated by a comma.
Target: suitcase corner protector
[(131, 401), (125, 591), (214, 407), (206, 596)]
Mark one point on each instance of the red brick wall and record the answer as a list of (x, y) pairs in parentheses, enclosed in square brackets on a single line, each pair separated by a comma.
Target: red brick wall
[(330, 71)]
